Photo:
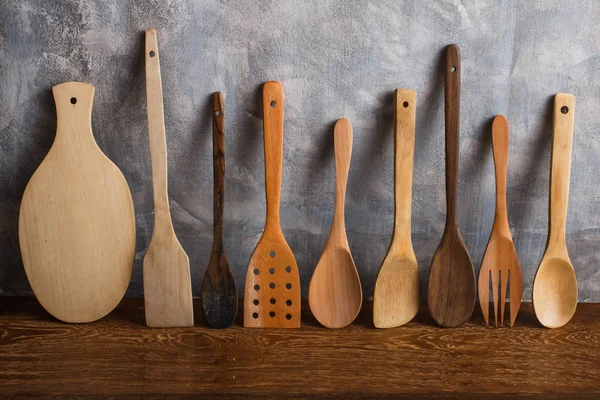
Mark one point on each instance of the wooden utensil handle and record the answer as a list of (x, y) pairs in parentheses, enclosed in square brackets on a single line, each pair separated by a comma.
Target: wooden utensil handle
[(218, 167), (500, 133), (452, 119), (273, 137), (156, 130), (342, 142), (404, 141), (74, 102), (560, 174)]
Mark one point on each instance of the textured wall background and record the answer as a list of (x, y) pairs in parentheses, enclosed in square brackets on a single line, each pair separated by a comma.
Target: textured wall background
[(335, 59)]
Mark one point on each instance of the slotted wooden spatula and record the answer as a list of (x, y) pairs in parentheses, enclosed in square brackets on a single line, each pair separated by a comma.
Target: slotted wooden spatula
[(272, 292), (398, 287), (219, 295), (500, 261), (335, 293), (167, 283), (451, 287), (76, 223)]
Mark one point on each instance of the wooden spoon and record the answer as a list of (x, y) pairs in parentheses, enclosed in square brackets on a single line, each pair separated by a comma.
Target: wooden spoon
[(555, 284), (272, 293), (500, 259), (397, 290), (76, 222), (167, 283), (219, 295), (451, 289), (335, 293)]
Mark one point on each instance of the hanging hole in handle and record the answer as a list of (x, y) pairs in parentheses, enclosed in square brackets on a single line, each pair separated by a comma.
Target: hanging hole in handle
[(273, 104), (152, 53), (405, 104), (453, 69), (217, 112), (564, 109), (73, 100)]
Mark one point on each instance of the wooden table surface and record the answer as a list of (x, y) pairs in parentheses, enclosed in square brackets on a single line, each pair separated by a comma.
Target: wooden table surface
[(118, 357)]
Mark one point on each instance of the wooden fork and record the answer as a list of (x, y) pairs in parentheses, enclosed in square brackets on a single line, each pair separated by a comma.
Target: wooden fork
[(500, 259)]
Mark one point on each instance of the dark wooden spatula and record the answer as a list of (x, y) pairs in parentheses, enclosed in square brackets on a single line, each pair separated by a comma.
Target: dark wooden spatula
[(219, 295), (451, 289)]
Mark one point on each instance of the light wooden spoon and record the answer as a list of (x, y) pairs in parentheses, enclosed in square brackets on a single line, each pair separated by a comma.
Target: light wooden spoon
[(397, 290), (335, 293), (167, 283), (555, 284), (451, 288)]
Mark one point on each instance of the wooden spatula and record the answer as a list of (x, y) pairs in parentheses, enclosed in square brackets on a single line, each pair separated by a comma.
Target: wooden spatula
[(167, 283), (76, 223), (451, 288), (555, 284), (219, 296), (500, 259), (272, 293), (397, 289), (335, 293)]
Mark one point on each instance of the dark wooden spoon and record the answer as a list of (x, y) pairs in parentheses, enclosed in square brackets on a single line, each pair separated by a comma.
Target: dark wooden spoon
[(451, 291), (219, 295)]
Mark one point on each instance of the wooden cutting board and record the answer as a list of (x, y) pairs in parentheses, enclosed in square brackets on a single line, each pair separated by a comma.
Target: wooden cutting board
[(76, 223)]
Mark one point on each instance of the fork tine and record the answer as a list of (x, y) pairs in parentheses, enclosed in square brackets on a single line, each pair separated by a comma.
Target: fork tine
[(495, 295), (516, 292), (484, 292), (503, 285)]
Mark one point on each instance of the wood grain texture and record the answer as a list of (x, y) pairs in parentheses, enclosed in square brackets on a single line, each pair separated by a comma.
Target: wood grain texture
[(272, 292), (167, 282), (397, 294), (555, 285), (500, 260), (219, 295), (335, 293), (76, 222), (451, 287), (118, 357)]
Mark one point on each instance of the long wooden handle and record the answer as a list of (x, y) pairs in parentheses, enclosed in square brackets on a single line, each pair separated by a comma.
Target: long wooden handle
[(218, 167), (404, 138), (452, 118), (500, 134), (560, 174), (342, 142), (273, 137), (156, 130)]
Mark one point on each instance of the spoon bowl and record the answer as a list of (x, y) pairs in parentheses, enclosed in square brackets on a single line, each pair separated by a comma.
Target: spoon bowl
[(555, 292), (398, 287)]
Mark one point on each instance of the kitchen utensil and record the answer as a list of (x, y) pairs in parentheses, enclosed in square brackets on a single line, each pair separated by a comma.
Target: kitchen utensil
[(397, 289), (451, 289), (555, 284), (219, 295), (335, 293), (167, 283), (272, 292), (76, 223), (500, 259)]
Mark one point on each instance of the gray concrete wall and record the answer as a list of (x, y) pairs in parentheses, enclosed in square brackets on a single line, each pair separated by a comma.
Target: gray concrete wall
[(335, 59)]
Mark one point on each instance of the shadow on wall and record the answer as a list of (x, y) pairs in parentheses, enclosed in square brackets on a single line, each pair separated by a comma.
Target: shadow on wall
[(428, 142), (538, 164), (365, 176), (308, 245), (25, 164)]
